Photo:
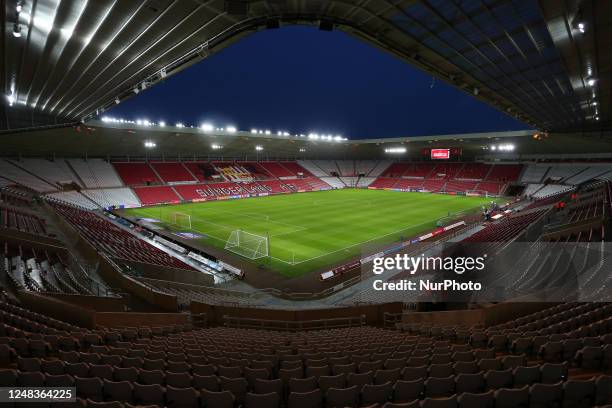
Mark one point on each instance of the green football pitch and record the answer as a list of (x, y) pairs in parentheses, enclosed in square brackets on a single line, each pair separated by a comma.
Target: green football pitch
[(309, 231)]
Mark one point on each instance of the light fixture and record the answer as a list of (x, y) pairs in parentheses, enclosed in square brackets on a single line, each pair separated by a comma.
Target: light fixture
[(395, 150), (254, 131), (117, 101), (216, 146), (179, 125), (302, 150), (11, 99), (136, 90), (207, 127), (259, 148), (162, 123), (16, 30), (581, 27), (590, 81), (150, 145), (231, 129), (267, 132), (19, 6)]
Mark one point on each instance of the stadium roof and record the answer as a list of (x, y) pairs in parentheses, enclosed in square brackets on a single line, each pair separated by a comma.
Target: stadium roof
[(122, 141), (545, 62)]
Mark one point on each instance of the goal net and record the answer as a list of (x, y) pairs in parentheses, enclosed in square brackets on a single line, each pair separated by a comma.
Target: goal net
[(249, 245), (181, 220)]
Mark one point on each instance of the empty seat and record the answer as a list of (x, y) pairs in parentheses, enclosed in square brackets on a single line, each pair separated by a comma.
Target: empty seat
[(360, 379), (270, 400), (512, 398), (302, 384), (513, 362), (577, 393), (441, 370), (473, 383), (335, 381), (603, 390), (383, 376), (486, 364), (178, 380), (261, 386), (480, 400), (526, 375), (342, 397), (221, 399), (149, 394), (414, 373), (124, 374), (187, 397), (408, 390), (545, 395), (449, 402), (61, 380), (376, 394), (31, 379), (590, 357), (151, 377), (89, 388), (439, 387), (495, 379), (117, 391), (553, 373), (310, 399)]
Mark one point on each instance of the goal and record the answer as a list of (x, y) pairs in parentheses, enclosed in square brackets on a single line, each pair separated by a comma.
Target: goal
[(181, 220), (249, 245)]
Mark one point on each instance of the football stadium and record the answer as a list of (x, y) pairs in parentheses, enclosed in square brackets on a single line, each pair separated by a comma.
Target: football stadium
[(171, 259)]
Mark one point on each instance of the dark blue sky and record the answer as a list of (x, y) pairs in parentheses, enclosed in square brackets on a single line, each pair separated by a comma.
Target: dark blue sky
[(302, 80)]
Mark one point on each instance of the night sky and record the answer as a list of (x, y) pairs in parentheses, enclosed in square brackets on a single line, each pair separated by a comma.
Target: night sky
[(303, 80)]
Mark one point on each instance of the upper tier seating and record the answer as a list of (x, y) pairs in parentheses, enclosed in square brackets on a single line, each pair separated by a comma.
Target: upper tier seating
[(156, 195), (113, 197), (445, 170), (116, 242), (136, 174), (276, 169), (202, 170), (96, 173), (172, 172), (312, 168), (594, 171), (55, 172), (346, 168), (296, 169), (504, 172), (534, 173), (257, 172), (15, 174), (396, 170), (474, 171)]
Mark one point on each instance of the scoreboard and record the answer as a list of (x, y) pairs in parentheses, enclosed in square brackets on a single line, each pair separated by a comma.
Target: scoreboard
[(442, 154)]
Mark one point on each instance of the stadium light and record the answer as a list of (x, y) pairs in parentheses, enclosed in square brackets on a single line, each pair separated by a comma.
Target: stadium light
[(267, 132), (259, 148), (231, 129), (216, 146), (179, 125), (150, 145), (117, 101), (207, 127), (581, 27), (162, 123), (136, 90), (590, 81), (302, 150), (254, 131), (395, 150), (19, 6)]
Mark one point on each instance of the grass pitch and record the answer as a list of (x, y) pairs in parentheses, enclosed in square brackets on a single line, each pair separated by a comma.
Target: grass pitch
[(309, 231)]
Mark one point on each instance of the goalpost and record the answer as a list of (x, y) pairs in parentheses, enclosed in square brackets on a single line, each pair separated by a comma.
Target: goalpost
[(180, 220), (249, 245)]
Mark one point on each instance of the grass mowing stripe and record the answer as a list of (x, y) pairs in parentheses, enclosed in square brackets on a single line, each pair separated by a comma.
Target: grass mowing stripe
[(319, 229)]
